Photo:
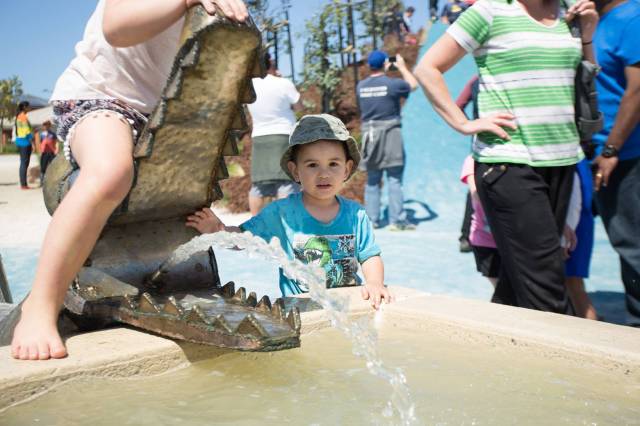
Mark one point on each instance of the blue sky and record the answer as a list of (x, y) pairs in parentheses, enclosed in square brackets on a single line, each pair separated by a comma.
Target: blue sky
[(37, 37)]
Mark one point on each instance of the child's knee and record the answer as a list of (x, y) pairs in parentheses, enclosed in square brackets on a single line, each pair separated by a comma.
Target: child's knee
[(114, 181)]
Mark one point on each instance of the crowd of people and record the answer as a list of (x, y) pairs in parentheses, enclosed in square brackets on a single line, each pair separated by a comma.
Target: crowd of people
[(529, 185)]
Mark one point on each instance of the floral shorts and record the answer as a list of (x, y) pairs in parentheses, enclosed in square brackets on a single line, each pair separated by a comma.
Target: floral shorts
[(68, 114)]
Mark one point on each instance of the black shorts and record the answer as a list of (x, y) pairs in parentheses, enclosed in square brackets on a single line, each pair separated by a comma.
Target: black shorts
[(487, 261)]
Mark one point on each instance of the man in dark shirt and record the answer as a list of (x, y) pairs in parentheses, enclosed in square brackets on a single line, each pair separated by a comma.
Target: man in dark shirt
[(379, 99), (453, 10)]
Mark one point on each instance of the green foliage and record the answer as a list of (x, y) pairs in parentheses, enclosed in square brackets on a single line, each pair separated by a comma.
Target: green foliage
[(10, 92), (321, 46), (384, 10)]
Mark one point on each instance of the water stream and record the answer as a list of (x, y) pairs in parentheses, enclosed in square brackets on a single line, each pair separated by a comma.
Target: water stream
[(360, 332)]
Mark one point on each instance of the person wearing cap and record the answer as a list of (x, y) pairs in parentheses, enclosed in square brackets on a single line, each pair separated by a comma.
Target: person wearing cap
[(379, 98), (273, 118), (316, 225)]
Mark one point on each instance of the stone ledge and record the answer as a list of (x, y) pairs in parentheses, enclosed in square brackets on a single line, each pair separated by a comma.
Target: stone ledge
[(123, 352)]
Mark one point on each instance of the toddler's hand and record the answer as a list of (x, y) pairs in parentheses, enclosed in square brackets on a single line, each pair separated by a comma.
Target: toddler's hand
[(375, 293), (205, 221)]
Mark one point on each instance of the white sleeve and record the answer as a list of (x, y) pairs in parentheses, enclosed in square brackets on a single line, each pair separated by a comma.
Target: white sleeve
[(294, 95), (575, 204)]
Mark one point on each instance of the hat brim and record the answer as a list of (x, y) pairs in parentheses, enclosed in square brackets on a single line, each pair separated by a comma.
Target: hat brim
[(352, 149)]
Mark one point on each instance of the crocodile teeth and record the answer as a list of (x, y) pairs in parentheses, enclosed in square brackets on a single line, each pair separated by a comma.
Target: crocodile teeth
[(240, 296), (175, 85), (249, 325), (294, 319), (129, 303), (191, 58), (221, 322), (172, 307), (252, 300), (148, 305), (216, 191), (231, 144), (277, 310), (249, 94), (258, 70), (221, 171), (240, 120), (228, 289), (196, 314), (264, 305)]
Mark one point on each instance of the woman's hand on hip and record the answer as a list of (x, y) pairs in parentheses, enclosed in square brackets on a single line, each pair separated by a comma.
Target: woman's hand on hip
[(494, 123)]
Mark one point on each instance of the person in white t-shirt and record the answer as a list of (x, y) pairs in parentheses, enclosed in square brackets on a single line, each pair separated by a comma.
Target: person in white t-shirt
[(120, 68), (273, 119)]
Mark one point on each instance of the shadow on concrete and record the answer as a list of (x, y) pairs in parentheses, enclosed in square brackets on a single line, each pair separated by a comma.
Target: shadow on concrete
[(610, 305), (416, 211)]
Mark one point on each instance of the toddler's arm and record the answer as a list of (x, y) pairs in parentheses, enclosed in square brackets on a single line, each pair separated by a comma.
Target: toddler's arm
[(373, 288), (130, 22), (207, 222)]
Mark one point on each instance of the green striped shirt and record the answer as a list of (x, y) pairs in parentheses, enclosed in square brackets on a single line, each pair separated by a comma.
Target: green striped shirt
[(526, 69)]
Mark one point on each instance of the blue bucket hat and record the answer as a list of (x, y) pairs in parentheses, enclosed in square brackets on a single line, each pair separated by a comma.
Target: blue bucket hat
[(377, 59)]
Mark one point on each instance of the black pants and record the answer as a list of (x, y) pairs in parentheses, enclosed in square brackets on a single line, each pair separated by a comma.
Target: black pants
[(25, 158), (45, 159), (619, 206), (526, 208), (466, 221)]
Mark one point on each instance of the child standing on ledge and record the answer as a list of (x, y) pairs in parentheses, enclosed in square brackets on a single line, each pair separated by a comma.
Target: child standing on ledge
[(115, 80), (316, 225)]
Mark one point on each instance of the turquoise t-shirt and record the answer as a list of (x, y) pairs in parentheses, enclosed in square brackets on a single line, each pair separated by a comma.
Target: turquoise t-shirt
[(338, 246)]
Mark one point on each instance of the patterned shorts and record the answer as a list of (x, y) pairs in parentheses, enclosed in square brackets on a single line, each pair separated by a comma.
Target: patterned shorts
[(68, 114)]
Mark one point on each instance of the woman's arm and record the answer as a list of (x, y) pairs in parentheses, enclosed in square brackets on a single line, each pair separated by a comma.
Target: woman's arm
[(130, 22), (586, 11), (443, 55)]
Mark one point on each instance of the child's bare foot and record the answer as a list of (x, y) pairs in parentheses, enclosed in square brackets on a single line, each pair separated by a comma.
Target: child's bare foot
[(36, 336)]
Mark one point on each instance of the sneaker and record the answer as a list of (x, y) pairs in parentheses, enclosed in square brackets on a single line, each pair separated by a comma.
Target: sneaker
[(465, 246), (24, 187), (376, 225), (402, 226)]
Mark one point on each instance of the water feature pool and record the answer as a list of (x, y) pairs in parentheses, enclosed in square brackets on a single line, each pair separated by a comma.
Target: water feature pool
[(453, 381)]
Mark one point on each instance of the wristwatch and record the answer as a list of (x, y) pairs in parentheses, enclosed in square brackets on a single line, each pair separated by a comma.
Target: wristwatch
[(609, 151)]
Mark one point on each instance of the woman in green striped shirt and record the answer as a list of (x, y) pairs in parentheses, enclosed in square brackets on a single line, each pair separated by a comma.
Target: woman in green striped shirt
[(526, 142)]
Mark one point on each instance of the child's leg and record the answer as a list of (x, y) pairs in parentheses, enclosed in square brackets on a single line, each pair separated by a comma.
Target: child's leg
[(102, 145), (580, 298)]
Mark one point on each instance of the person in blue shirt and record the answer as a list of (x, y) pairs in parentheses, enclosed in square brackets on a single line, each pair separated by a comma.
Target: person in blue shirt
[(617, 165), (380, 99), (316, 225)]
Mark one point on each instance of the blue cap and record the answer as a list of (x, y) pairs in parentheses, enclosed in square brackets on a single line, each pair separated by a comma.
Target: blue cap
[(377, 59)]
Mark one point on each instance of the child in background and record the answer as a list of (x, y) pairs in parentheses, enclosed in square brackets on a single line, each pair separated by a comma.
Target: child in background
[(316, 225), (578, 241), (482, 243), (46, 141), (116, 78)]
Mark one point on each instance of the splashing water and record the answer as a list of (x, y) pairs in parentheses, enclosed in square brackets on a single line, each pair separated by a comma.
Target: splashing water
[(361, 334)]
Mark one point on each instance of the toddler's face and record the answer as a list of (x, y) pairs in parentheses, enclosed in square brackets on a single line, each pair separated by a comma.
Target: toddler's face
[(321, 168)]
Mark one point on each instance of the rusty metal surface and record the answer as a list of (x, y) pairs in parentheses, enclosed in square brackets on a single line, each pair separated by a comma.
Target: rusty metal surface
[(179, 161)]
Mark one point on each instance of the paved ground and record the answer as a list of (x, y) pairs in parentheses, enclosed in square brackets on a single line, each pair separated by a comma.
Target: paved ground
[(426, 259)]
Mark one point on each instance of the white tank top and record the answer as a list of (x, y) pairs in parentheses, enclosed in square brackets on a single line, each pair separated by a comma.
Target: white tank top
[(135, 75)]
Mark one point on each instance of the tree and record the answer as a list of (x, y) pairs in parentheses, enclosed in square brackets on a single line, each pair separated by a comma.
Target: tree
[(10, 92), (320, 47)]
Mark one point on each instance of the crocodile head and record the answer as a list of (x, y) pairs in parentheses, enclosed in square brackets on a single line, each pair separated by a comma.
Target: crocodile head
[(179, 160)]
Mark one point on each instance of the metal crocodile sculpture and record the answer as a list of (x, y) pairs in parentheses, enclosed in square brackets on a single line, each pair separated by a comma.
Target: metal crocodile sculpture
[(179, 160)]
